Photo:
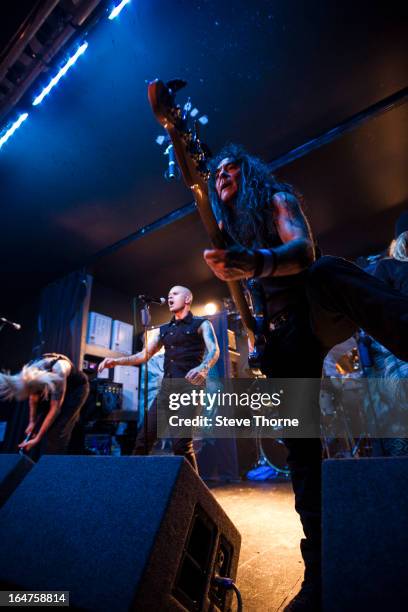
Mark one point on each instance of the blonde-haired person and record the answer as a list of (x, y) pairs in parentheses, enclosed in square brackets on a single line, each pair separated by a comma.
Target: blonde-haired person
[(56, 391)]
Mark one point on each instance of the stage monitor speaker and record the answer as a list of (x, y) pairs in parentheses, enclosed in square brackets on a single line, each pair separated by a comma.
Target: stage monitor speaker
[(118, 533), (13, 468), (365, 534)]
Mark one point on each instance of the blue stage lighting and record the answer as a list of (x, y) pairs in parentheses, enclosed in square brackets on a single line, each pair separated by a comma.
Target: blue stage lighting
[(12, 129), (115, 12), (38, 99), (60, 74)]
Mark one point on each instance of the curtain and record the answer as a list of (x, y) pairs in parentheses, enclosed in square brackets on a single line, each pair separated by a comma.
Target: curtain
[(60, 317)]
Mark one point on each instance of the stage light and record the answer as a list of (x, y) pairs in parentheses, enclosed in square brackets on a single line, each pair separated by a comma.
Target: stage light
[(12, 129), (115, 12), (38, 99), (60, 74), (210, 308)]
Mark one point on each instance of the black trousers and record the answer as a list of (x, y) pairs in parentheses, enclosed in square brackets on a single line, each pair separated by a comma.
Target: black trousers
[(181, 446), (339, 299)]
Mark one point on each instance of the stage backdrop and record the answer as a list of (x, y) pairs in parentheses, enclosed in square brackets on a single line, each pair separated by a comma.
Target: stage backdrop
[(60, 317)]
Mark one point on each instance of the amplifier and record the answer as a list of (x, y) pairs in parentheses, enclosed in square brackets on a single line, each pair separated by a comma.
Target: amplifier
[(108, 395), (104, 398)]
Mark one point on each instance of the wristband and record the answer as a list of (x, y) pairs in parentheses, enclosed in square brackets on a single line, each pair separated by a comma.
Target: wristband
[(269, 263)]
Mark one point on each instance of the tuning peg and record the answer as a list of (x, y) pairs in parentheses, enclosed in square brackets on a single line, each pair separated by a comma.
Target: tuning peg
[(196, 131)]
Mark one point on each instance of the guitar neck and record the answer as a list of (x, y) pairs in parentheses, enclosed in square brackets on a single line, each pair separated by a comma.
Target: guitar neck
[(200, 191), (191, 161)]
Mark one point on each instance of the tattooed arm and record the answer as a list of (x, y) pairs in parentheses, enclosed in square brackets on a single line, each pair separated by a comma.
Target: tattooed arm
[(294, 255), (297, 251), (199, 374), (153, 346), (211, 345)]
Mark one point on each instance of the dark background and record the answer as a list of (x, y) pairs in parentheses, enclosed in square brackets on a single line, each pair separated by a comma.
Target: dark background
[(84, 171)]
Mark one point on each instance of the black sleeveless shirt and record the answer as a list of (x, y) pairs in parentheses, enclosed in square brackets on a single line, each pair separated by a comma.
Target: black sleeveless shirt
[(75, 378), (183, 344), (274, 293)]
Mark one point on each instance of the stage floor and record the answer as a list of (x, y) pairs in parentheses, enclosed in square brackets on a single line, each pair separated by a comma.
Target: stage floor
[(270, 567)]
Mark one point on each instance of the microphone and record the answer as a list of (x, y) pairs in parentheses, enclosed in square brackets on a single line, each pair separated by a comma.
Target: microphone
[(15, 325), (148, 299)]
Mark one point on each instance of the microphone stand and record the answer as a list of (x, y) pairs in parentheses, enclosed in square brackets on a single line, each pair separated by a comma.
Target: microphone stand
[(145, 319)]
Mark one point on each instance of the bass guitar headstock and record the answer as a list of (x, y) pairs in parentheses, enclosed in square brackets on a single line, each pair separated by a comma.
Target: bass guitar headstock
[(192, 154)]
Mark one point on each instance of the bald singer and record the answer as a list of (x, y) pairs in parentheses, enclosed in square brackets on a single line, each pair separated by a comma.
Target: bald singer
[(190, 350)]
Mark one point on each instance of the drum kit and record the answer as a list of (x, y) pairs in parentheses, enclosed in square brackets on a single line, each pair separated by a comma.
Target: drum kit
[(341, 408)]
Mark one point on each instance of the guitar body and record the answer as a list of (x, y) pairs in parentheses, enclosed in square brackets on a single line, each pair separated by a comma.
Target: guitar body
[(191, 156)]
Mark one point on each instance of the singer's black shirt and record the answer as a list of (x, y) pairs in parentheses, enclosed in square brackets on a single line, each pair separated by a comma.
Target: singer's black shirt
[(184, 345)]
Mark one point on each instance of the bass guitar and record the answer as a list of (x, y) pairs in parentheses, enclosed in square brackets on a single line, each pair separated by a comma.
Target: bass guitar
[(192, 157)]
